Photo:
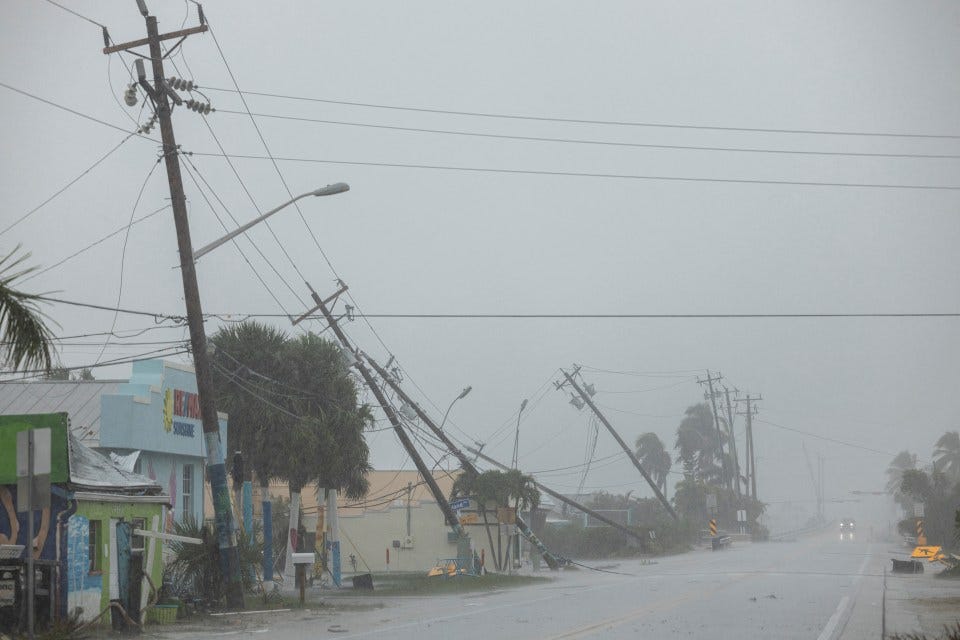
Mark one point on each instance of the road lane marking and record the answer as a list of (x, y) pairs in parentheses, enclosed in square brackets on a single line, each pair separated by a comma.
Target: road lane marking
[(828, 630), (832, 624)]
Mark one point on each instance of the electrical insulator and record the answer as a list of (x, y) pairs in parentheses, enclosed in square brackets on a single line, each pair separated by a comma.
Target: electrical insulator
[(181, 85), (149, 125), (130, 95), (199, 107)]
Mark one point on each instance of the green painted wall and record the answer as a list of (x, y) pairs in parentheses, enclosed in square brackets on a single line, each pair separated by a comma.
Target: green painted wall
[(10, 426), (104, 512)]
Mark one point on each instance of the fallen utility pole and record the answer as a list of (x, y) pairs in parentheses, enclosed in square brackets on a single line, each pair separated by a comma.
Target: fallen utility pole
[(425, 472), (468, 466), (160, 94), (616, 436), (564, 499)]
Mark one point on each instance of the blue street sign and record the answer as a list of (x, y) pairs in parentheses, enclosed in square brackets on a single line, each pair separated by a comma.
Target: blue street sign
[(461, 503)]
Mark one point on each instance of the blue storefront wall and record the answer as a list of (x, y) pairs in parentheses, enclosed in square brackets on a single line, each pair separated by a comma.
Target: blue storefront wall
[(158, 413)]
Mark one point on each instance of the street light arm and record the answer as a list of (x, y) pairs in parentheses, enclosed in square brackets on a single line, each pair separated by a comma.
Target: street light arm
[(328, 190)]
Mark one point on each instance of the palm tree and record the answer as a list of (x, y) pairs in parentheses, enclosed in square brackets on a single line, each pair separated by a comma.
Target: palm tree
[(24, 334), (903, 461), (655, 458), (946, 457), (698, 443)]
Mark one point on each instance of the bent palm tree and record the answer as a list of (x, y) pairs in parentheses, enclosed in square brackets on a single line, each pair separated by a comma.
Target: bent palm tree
[(947, 455), (654, 458), (25, 336)]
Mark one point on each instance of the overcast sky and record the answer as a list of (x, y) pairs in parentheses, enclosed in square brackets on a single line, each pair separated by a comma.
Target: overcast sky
[(570, 228)]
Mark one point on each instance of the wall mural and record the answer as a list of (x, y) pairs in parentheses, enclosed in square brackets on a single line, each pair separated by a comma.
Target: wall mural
[(11, 527)]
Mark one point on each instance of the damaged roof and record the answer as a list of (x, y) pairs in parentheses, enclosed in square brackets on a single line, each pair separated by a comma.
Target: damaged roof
[(93, 471)]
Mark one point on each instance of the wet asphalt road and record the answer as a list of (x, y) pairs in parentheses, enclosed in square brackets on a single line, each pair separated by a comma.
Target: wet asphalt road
[(817, 588)]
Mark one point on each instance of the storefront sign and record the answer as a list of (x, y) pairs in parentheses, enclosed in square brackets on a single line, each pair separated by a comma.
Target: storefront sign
[(180, 404)]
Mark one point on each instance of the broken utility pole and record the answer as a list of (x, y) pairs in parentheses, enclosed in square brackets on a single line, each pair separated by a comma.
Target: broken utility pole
[(321, 305), (616, 436), (552, 561), (564, 499)]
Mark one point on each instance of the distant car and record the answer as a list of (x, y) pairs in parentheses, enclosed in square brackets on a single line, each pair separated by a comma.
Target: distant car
[(847, 528)]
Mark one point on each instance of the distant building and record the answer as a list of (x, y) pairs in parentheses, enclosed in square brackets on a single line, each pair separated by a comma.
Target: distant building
[(149, 424)]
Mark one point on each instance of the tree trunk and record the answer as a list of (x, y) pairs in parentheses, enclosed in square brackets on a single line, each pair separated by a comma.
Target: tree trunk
[(486, 525)]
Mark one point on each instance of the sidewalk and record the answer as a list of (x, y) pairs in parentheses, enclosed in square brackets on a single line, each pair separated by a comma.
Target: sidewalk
[(921, 602)]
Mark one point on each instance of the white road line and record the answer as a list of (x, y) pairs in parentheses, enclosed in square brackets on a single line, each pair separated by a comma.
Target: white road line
[(831, 628)]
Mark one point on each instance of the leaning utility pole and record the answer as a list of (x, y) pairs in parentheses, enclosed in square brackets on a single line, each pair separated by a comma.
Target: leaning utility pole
[(564, 499), (467, 464), (716, 420), (159, 93), (321, 305), (750, 456), (733, 441), (616, 436)]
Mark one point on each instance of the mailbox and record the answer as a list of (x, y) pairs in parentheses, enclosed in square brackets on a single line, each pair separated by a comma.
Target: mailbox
[(303, 558)]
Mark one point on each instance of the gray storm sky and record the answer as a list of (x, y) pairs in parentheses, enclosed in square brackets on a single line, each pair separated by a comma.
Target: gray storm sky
[(430, 240)]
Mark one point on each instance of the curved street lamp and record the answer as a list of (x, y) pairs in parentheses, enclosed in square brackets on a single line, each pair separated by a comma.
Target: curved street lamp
[(329, 190), (463, 394)]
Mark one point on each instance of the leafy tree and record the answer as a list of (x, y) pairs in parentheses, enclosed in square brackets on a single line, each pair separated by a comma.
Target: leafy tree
[(946, 457), (655, 458), (903, 461), (940, 497), (497, 488), (698, 444), (25, 338)]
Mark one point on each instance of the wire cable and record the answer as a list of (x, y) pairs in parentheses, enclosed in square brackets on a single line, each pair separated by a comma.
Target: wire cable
[(606, 176), (607, 143), (123, 255), (65, 187), (73, 111), (97, 242), (619, 123)]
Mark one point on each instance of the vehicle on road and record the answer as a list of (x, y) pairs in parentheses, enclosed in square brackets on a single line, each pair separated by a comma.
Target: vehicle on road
[(847, 528)]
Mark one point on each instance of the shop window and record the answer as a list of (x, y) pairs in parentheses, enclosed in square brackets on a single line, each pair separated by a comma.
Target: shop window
[(96, 546), (187, 494), (136, 542)]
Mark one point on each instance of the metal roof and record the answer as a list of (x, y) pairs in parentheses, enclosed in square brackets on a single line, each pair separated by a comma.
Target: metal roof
[(79, 398)]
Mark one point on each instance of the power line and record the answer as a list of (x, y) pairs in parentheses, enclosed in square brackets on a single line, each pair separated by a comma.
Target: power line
[(97, 242), (66, 186), (531, 316), (39, 373), (621, 123), (608, 143), (582, 174), (826, 438), (73, 111), (79, 15)]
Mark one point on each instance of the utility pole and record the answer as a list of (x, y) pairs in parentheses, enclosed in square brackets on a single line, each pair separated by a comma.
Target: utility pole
[(564, 499), (321, 305), (465, 462), (160, 93), (585, 397), (733, 440), (751, 457), (716, 420)]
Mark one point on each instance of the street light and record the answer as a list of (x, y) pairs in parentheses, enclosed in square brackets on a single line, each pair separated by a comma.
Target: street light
[(329, 190), (516, 438), (463, 394)]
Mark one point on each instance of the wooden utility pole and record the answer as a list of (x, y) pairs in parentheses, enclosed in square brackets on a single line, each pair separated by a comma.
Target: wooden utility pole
[(733, 441), (452, 521), (564, 499), (467, 464), (750, 456), (616, 436), (716, 421), (161, 94)]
